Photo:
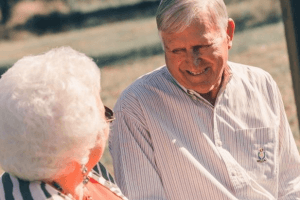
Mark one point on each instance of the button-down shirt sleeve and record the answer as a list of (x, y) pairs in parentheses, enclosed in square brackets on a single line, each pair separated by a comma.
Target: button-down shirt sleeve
[(289, 159), (131, 140)]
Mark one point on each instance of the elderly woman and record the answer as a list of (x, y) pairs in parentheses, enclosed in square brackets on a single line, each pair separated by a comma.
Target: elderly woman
[(53, 129)]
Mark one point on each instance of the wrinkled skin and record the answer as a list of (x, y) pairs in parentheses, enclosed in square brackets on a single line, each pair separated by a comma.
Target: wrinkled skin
[(197, 56)]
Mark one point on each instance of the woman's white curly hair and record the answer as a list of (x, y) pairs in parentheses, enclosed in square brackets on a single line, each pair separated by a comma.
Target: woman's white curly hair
[(177, 15), (49, 114)]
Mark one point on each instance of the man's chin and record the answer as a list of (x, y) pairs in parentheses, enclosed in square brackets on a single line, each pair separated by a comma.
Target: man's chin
[(202, 88)]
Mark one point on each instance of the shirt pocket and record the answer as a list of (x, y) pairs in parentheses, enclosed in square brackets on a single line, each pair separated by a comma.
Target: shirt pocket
[(256, 152)]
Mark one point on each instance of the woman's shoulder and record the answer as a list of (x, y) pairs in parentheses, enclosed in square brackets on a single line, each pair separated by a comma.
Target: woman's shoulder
[(105, 179), (13, 188)]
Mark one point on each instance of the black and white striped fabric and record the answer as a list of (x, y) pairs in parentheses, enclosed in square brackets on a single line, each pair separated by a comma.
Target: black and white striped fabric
[(12, 188), (170, 143)]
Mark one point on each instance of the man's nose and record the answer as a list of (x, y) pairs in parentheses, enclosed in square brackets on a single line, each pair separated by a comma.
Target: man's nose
[(193, 58)]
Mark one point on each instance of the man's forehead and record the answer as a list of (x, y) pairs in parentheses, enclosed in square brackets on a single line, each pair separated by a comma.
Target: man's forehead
[(189, 34), (201, 25)]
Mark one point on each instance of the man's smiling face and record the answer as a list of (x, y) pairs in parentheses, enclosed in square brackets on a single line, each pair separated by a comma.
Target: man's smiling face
[(197, 56)]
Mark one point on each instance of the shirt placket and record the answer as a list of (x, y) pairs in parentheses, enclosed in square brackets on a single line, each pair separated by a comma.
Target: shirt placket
[(236, 174)]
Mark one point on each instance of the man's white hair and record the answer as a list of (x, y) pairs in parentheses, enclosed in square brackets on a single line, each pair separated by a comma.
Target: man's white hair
[(49, 114), (177, 15)]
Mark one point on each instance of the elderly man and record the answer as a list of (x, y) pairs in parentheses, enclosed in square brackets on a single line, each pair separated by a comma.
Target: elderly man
[(202, 127)]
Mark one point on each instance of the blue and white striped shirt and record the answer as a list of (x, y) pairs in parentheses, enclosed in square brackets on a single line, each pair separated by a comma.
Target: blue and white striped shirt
[(170, 143), (13, 188)]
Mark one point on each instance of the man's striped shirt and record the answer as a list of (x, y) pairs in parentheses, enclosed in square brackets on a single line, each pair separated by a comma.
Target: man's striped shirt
[(170, 143)]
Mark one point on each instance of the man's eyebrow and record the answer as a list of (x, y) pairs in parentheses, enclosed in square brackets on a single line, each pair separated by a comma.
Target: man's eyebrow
[(178, 48), (202, 45), (167, 47)]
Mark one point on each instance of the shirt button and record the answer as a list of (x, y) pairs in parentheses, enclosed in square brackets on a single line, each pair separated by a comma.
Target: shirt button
[(233, 173), (219, 143)]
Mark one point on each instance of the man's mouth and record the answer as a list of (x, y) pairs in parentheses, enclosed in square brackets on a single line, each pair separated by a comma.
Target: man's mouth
[(198, 73)]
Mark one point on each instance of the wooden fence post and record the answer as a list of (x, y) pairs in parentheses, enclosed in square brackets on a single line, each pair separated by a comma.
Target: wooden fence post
[(292, 33)]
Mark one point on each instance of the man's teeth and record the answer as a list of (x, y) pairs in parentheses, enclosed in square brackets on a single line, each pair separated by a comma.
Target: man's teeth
[(198, 73)]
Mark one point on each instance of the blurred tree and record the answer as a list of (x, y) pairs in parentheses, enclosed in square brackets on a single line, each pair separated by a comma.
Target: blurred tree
[(5, 11), (7, 5)]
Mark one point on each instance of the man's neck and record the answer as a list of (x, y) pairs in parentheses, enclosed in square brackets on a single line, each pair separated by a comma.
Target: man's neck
[(212, 95)]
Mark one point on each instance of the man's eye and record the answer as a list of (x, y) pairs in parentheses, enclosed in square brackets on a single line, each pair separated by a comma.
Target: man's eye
[(202, 47), (177, 51), (206, 46)]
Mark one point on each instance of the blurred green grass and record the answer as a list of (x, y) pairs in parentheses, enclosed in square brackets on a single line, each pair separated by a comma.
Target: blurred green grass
[(110, 39)]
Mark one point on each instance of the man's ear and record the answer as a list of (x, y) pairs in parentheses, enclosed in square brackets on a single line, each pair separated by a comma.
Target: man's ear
[(230, 32)]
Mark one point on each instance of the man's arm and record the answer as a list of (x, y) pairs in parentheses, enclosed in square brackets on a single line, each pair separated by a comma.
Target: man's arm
[(289, 159), (133, 158)]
